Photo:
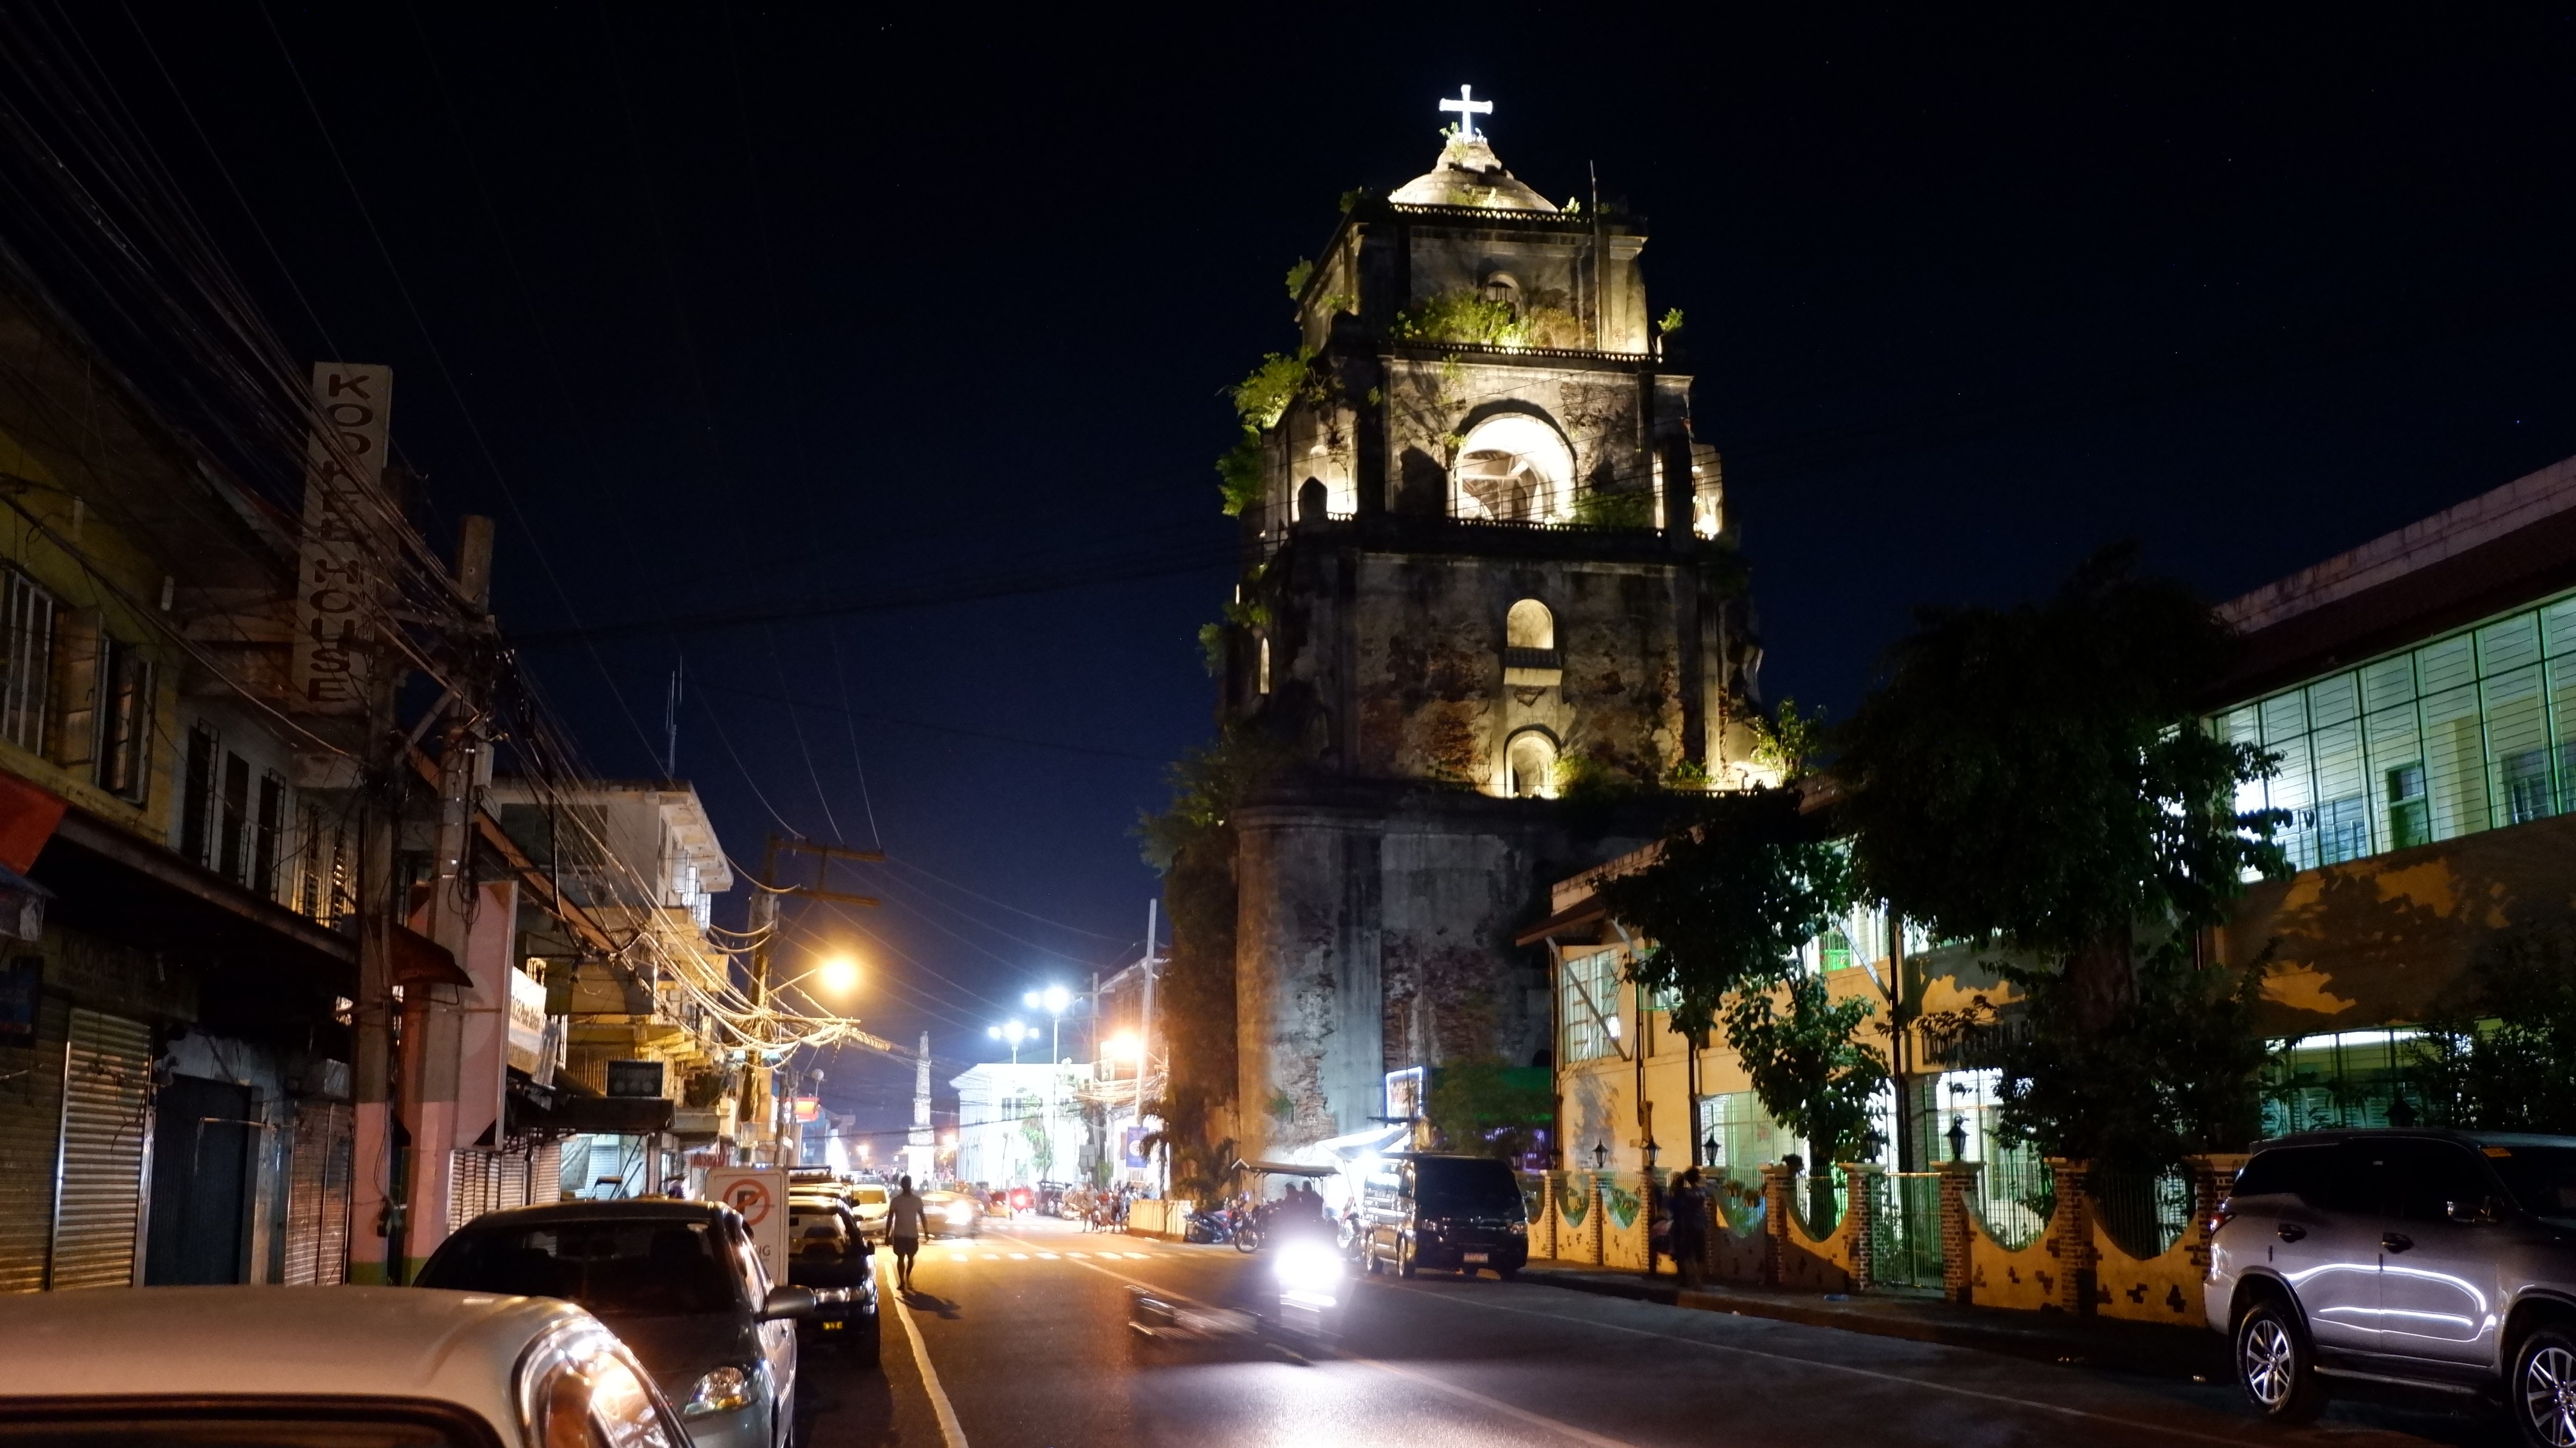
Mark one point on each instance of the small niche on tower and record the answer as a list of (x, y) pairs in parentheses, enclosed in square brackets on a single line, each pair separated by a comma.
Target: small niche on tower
[(1529, 765), (1531, 664)]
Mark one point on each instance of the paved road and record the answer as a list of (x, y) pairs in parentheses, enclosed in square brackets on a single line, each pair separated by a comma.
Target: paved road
[(1024, 1336)]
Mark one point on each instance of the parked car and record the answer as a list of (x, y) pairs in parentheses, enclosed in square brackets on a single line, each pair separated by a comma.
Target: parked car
[(828, 1254), (2446, 1259), (679, 1282), (870, 1200), (1455, 1213), (316, 1364), (951, 1214)]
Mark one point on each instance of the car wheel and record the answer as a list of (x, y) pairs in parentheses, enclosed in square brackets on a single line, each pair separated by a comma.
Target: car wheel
[(868, 1349), (1404, 1259), (2276, 1365), (1506, 1274), (1368, 1256), (2542, 1397)]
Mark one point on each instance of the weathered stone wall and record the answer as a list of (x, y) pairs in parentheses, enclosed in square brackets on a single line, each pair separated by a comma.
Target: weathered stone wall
[(1433, 401), (1375, 933)]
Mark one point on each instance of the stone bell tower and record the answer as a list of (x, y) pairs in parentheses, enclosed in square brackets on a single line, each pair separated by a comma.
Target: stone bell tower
[(1492, 616)]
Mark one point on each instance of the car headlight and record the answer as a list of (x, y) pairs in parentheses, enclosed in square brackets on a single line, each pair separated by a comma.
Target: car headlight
[(960, 1213), (1308, 1272), (726, 1389), (1520, 1229)]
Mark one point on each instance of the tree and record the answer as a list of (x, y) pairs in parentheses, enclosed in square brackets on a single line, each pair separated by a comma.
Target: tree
[(1490, 1108), (2501, 1056), (1191, 841), (1202, 1163), (1725, 910), (2036, 780)]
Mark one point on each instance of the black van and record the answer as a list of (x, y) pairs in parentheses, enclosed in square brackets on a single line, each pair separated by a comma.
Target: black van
[(1454, 1213)]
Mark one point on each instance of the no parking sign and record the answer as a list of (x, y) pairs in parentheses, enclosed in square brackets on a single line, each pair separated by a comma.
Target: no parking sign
[(759, 1193)]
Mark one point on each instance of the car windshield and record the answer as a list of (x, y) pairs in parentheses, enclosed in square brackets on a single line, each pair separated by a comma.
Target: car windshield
[(634, 1268), (2541, 1178), (871, 1196), (1477, 1188)]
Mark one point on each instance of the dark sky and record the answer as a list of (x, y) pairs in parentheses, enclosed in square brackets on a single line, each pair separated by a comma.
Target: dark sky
[(725, 309)]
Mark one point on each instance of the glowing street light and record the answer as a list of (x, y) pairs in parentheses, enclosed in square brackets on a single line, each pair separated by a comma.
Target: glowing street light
[(1014, 1033), (839, 973)]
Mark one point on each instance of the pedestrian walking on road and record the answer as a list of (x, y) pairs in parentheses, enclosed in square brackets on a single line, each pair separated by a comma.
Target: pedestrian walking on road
[(1689, 1207), (903, 1229)]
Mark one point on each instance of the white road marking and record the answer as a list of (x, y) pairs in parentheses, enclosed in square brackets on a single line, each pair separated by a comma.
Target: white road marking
[(1140, 1256), (992, 1256), (1078, 1256), (1582, 1435), (1540, 1420), (954, 1435), (1046, 1256), (1019, 1256)]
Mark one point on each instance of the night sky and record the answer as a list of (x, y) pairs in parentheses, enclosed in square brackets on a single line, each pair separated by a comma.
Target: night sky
[(735, 315)]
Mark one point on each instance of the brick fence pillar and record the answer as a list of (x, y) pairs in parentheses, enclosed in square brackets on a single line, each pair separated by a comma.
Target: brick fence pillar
[(1599, 1214), (2070, 1235), (2212, 1178), (1860, 1213), (1543, 1226), (1779, 1184), (1958, 1230)]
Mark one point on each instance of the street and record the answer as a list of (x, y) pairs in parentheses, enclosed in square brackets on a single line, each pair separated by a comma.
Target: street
[(1025, 1334)]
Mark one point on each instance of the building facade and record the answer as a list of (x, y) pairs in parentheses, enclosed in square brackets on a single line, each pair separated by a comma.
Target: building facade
[(1490, 615), (2419, 693)]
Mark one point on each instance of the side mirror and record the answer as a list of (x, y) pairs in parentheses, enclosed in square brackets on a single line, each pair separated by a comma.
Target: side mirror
[(787, 1302), (2473, 1214)]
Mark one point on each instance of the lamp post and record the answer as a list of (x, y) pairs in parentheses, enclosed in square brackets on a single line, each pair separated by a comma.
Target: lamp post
[(1055, 1000)]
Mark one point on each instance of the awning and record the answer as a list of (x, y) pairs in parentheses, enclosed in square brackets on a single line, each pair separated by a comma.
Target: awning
[(535, 1110), (1587, 911)]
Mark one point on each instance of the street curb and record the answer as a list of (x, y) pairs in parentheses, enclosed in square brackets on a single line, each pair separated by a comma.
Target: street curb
[(2135, 1346)]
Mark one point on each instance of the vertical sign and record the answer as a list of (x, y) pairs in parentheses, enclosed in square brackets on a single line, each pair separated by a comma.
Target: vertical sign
[(760, 1194), (343, 502)]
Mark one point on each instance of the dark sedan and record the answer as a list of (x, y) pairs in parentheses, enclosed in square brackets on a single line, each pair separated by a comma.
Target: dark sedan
[(679, 1282), (829, 1254)]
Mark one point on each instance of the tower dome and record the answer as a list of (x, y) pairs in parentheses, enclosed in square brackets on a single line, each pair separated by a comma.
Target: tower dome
[(1469, 175)]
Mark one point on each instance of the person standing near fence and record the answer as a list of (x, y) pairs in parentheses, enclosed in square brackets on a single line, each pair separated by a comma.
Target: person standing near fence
[(1689, 1207)]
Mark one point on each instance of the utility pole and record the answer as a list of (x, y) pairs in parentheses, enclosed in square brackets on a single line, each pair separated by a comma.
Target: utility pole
[(433, 1014), (763, 922), (1145, 1030)]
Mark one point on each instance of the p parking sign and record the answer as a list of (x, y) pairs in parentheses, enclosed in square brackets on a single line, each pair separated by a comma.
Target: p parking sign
[(759, 1193)]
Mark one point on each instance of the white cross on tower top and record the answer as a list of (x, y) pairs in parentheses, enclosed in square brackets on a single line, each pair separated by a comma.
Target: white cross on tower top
[(1468, 108)]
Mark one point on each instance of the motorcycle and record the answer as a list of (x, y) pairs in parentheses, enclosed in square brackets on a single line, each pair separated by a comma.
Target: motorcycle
[(1299, 1311)]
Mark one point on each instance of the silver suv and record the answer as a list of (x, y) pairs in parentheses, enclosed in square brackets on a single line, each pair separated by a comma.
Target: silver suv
[(2444, 1259)]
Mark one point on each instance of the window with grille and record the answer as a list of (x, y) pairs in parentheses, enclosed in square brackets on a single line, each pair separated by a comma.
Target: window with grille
[(2470, 732), (1589, 1004), (124, 720), (197, 795), (233, 842), (26, 692), (268, 829)]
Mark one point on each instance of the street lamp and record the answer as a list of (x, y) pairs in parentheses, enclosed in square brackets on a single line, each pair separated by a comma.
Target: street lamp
[(1014, 1033), (1055, 1000), (840, 975)]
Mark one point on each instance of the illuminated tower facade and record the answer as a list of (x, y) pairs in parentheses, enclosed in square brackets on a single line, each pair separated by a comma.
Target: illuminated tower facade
[(1491, 617)]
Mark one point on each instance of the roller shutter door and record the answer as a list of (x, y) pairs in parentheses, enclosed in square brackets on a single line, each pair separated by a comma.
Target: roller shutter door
[(107, 1114), (31, 1128), (317, 1196)]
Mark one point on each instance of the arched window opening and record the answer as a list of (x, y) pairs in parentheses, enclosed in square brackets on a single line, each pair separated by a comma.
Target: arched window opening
[(1529, 766), (1502, 287), (1529, 626), (1515, 469)]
